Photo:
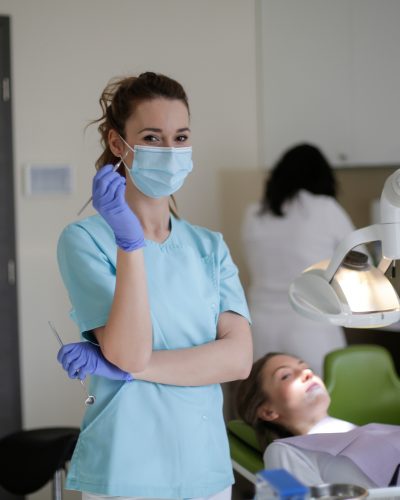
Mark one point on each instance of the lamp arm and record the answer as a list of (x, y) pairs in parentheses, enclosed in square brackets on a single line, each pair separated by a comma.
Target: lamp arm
[(384, 264), (358, 237)]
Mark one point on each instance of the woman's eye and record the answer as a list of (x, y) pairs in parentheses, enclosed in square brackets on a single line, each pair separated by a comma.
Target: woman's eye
[(181, 138), (150, 138), (285, 376)]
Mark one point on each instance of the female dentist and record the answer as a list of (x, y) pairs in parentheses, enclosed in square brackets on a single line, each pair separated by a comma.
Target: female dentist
[(161, 307)]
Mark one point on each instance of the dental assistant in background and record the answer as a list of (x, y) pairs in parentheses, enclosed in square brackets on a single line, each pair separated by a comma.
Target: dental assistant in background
[(161, 307), (298, 222)]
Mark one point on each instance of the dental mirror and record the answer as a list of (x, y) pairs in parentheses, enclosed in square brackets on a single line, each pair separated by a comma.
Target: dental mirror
[(90, 399), (115, 168)]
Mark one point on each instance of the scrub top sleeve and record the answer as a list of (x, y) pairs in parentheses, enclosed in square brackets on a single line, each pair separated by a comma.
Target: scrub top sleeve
[(89, 277), (232, 296)]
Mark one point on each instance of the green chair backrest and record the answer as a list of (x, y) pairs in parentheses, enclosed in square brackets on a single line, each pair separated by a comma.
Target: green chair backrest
[(244, 447), (363, 385)]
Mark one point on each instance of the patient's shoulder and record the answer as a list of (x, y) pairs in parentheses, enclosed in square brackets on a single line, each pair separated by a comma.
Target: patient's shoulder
[(282, 455), (273, 453)]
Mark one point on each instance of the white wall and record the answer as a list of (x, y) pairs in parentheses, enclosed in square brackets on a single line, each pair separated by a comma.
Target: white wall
[(63, 54)]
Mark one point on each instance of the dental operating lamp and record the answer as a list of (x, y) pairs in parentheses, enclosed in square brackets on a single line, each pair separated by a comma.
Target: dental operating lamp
[(349, 290)]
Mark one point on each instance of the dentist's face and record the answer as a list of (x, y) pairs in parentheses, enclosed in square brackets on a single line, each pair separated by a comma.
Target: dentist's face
[(154, 122), (159, 122), (295, 394)]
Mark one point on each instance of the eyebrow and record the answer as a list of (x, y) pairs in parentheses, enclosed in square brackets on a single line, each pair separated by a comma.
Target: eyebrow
[(279, 368), (152, 129), (286, 366)]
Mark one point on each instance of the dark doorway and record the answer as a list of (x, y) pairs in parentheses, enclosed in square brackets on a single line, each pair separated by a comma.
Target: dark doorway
[(10, 404)]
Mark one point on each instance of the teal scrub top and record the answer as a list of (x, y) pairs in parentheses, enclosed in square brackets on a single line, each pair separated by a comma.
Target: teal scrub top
[(142, 438)]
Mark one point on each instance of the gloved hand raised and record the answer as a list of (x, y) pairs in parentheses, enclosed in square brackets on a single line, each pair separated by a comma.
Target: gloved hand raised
[(84, 358), (109, 201)]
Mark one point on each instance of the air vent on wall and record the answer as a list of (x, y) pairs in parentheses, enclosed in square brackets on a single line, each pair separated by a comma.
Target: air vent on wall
[(43, 180)]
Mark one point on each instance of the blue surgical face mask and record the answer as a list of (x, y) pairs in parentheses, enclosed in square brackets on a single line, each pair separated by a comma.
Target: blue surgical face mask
[(158, 171)]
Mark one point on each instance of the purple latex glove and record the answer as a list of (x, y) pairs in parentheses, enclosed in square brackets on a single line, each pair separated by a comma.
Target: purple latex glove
[(109, 201), (84, 358)]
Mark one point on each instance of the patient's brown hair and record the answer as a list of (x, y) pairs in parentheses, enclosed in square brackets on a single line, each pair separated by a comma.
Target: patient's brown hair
[(250, 396)]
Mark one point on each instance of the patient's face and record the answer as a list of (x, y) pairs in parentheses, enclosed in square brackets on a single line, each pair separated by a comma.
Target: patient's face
[(295, 393)]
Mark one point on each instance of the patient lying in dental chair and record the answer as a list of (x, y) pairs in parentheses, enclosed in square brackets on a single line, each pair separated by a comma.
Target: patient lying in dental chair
[(287, 404)]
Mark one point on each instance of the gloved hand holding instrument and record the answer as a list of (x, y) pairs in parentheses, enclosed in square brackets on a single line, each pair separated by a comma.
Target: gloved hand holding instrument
[(80, 359), (109, 200), (83, 358), (90, 399)]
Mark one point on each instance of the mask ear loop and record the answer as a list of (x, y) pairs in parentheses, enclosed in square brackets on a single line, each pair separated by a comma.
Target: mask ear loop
[(126, 152), (122, 160)]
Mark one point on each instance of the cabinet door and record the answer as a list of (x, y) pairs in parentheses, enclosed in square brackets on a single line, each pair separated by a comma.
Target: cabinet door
[(304, 79), (376, 81), (329, 73)]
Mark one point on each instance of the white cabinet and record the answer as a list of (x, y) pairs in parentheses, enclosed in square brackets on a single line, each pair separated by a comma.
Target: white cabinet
[(329, 73)]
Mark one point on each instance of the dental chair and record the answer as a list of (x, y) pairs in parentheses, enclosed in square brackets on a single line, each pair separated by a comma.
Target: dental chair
[(363, 385), (364, 388), (29, 459), (246, 454)]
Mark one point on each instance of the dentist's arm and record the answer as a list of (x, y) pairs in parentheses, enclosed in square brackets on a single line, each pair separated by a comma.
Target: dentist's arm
[(128, 348), (227, 358)]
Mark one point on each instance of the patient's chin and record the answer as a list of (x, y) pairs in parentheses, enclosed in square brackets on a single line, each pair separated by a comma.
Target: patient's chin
[(318, 392)]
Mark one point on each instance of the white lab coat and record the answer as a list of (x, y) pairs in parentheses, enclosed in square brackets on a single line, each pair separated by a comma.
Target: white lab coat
[(277, 250)]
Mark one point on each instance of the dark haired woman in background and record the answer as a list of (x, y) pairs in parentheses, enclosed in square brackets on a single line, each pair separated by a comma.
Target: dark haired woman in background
[(297, 223)]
